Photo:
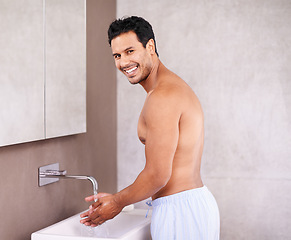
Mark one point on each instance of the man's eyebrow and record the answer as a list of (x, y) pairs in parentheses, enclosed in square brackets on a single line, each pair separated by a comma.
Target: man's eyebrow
[(114, 54), (127, 49)]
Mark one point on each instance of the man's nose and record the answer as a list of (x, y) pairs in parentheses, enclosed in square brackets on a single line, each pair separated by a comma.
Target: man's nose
[(124, 61)]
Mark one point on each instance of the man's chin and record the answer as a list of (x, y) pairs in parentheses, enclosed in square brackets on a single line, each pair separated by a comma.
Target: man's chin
[(134, 82)]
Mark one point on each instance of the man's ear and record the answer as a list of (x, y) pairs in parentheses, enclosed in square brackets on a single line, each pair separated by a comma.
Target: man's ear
[(151, 46)]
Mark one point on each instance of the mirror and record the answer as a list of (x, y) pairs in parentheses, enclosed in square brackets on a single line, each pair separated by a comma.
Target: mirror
[(65, 67), (42, 69)]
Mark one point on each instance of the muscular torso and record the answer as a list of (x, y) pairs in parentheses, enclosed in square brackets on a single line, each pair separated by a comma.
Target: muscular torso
[(187, 158)]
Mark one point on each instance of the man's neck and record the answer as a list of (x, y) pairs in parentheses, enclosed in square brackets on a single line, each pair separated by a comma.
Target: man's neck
[(151, 81)]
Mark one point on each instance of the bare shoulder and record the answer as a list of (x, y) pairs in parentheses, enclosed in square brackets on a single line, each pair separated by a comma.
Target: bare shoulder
[(174, 89), (170, 98)]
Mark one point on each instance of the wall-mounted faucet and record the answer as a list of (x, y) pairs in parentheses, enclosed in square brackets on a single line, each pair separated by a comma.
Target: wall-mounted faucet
[(51, 173)]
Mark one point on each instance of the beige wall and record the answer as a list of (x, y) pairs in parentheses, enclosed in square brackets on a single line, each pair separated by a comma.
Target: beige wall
[(236, 56), (24, 206)]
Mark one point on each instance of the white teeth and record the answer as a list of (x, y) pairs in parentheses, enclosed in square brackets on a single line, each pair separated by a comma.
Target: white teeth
[(131, 70)]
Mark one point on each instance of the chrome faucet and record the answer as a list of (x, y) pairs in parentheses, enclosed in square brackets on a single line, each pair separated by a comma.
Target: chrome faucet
[(51, 173)]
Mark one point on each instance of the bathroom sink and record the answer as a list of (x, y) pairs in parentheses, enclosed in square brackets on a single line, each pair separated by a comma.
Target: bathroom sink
[(129, 225)]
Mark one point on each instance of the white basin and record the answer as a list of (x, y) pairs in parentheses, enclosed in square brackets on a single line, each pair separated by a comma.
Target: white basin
[(129, 225)]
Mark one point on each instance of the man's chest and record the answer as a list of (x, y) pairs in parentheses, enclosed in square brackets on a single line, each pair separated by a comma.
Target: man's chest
[(141, 129)]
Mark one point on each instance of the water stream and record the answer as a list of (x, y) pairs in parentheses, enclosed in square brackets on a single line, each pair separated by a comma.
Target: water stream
[(101, 230)]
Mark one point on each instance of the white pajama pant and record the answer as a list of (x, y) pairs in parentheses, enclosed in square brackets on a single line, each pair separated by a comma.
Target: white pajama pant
[(191, 214)]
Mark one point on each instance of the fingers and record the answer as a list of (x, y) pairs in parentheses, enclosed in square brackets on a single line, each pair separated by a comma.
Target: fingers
[(92, 213), (100, 195), (92, 209), (85, 214), (90, 198), (100, 223), (97, 221), (93, 223), (92, 216), (86, 221), (93, 197)]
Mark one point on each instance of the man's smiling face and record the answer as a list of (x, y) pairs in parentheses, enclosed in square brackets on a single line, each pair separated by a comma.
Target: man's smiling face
[(131, 57)]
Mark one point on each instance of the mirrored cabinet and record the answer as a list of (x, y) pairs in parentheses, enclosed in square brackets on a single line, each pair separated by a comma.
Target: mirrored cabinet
[(42, 69)]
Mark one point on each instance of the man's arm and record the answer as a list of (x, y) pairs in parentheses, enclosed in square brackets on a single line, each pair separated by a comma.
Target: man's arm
[(161, 114)]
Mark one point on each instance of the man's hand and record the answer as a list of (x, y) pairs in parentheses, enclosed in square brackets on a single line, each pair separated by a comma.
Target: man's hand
[(99, 212)]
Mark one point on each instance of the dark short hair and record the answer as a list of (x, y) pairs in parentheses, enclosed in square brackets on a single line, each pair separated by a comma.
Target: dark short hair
[(138, 25)]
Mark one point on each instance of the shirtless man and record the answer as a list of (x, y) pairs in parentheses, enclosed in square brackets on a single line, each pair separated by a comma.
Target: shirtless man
[(171, 127)]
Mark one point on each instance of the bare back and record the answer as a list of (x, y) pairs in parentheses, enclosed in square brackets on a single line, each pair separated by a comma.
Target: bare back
[(188, 115)]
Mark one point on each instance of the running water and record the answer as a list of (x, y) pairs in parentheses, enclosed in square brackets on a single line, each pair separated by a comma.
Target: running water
[(95, 187), (101, 230), (95, 195)]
